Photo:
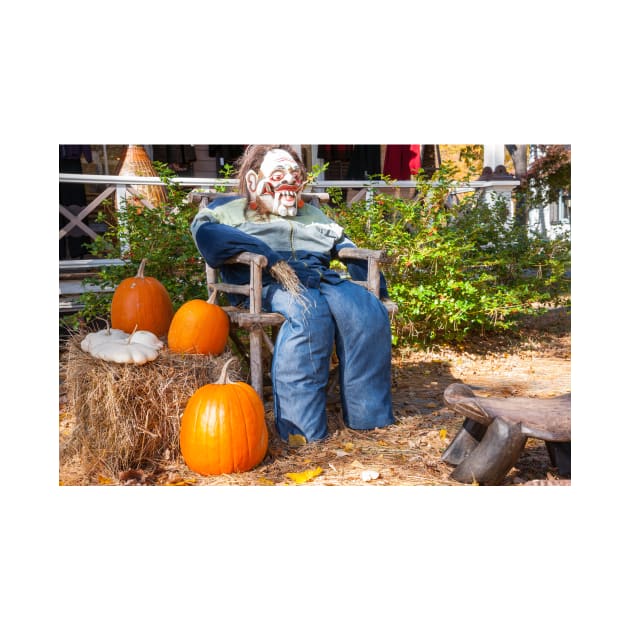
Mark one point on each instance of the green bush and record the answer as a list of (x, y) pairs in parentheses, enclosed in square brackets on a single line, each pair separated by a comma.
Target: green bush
[(161, 235), (456, 267)]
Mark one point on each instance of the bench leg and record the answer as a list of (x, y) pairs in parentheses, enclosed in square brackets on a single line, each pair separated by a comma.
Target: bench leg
[(463, 444), (560, 456), (497, 452)]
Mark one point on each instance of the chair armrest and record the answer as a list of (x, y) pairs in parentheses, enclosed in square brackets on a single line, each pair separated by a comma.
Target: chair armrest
[(257, 262), (361, 253), (248, 258), (373, 257), (253, 289)]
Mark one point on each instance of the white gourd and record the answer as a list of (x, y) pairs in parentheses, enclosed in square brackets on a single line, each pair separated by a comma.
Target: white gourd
[(96, 338), (148, 339), (119, 351), (118, 347)]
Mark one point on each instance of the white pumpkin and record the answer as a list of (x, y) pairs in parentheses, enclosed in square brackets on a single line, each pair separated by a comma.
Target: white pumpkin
[(120, 351), (96, 338), (147, 338), (119, 347)]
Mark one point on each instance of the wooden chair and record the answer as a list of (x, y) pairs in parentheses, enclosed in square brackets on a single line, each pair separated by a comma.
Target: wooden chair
[(261, 326)]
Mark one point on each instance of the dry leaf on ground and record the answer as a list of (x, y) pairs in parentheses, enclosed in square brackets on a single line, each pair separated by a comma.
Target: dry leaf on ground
[(305, 475)]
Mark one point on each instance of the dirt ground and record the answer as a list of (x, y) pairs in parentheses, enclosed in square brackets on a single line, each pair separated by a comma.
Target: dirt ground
[(534, 360)]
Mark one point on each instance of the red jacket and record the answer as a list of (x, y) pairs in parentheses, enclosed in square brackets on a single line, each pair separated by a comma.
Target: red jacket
[(401, 160)]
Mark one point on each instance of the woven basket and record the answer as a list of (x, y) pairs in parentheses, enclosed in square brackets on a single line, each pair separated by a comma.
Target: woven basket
[(135, 161)]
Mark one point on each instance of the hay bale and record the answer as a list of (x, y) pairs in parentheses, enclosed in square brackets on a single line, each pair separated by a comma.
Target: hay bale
[(128, 416)]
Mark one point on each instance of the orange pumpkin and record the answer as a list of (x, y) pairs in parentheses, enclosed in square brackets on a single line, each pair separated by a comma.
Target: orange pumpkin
[(223, 428), (199, 327), (142, 302)]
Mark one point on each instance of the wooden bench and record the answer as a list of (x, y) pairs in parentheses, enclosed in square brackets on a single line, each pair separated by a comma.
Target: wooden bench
[(74, 276), (495, 431)]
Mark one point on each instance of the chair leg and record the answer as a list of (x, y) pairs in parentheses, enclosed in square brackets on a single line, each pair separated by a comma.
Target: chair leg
[(497, 452), (256, 360)]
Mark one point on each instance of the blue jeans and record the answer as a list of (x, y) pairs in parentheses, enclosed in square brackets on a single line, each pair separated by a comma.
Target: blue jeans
[(353, 320)]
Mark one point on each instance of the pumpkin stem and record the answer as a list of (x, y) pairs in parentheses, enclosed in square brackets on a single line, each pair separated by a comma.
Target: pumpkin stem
[(133, 332), (140, 273), (213, 298), (104, 319), (223, 379)]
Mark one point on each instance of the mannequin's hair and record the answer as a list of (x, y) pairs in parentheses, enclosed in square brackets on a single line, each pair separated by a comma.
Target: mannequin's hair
[(253, 157)]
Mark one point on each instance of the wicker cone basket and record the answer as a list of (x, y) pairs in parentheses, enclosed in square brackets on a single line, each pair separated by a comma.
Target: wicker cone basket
[(135, 161)]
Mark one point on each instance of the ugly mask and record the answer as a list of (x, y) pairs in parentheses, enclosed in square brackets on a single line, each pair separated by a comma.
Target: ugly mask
[(277, 186)]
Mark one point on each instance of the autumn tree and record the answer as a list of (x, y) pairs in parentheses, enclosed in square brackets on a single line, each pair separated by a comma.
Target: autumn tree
[(544, 179)]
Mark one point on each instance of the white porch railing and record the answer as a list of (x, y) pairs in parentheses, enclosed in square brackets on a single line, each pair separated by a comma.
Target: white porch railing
[(120, 186)]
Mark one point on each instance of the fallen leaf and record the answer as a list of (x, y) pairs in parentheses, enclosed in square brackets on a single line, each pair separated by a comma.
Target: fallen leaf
[(348, 446), (305, 475), (104, 481), (263, 481), (296, 440), (180, 481), (443, 434)]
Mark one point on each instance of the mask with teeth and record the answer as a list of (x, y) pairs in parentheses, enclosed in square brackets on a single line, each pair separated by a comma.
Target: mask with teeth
[(277, 186)]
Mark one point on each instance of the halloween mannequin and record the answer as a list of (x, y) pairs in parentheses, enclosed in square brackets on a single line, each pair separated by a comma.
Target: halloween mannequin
[(322, 309)]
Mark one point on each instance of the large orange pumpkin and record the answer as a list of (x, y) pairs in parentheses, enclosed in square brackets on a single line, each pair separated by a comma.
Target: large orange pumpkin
[(223, 428), (142, 302), (199, 327)]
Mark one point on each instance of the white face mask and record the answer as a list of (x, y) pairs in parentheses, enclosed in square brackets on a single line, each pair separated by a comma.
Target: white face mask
[(278, 184)]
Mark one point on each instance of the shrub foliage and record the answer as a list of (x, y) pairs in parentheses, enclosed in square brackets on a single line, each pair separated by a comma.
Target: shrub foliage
[(455, 267), (161, 235)]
